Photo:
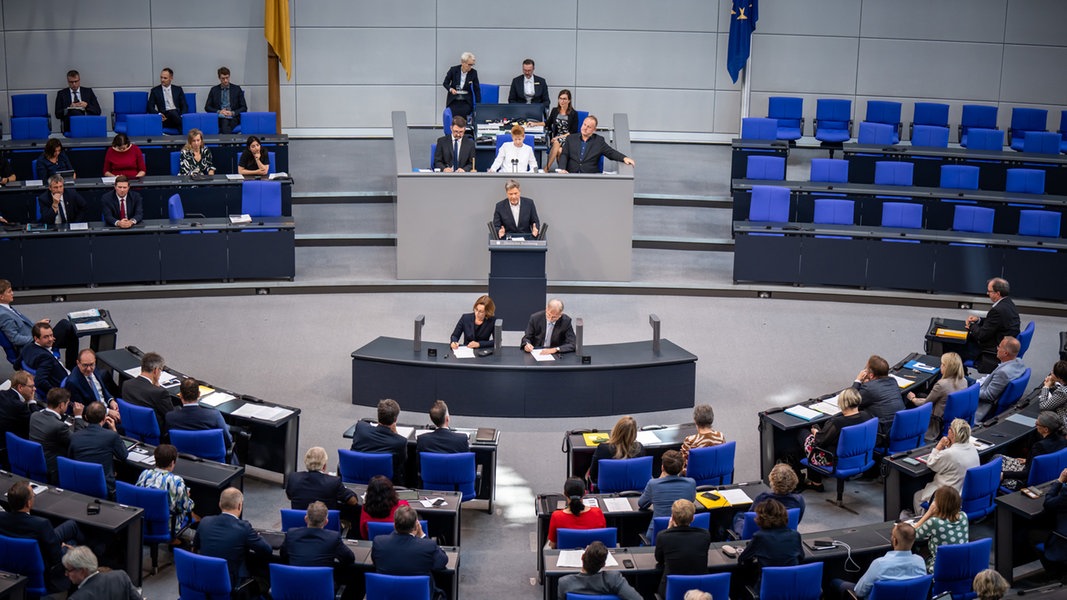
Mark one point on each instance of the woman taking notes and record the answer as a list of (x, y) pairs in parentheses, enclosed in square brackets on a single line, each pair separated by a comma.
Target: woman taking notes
[(475, 329)]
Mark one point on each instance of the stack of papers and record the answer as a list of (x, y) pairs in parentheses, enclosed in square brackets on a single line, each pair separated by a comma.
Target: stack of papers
[(647, 437), (617, 505), (261, 412), (281, 175), (573, 559), (92, 325), (216, 399), (828, 406), (233, 177), (235, 219), (803, 412)]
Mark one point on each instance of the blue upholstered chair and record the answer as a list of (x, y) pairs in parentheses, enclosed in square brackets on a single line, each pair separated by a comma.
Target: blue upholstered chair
[(701, 520), (929, 136), (295, 518), (976, 219), (749, 528), (397, 587), (833, 120), (957, 564), (261, 198), (1041, 142), (259, 123), (769, 203), (26, 458), (300, 583), (1025, 120), (933, 114), (88, 126), (789, 112), (29, 105), (1025, 337), (143, 125), (980, 486), (902, 214), (140, 422), (884, 112), (960, 405), (128, 103), (830, 170), (23, 556), (877, 134), (985, 139), (959, 177), (712, 465), (623, 474), (893, 172), (897, 589), (976, 116), (907, 430), (360, 467), (158, 528), (853, 456), (201, 577), (568, 539), (1011, 394), (490, 93), (82, 477), (765, 167), (1025, 181), (449, 472), (802, 582), (1047, 467), (207, 123), (755, 128), (718, 585), (208, 444), (29, 128), (832, 211)]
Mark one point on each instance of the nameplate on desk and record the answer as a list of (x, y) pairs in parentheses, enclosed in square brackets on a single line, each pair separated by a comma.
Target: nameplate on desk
[(803, 412)]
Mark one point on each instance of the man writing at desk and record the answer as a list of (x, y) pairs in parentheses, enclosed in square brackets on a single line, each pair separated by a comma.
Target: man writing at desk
[(455, 153), (549, 330), (581, 153), (515, 214)]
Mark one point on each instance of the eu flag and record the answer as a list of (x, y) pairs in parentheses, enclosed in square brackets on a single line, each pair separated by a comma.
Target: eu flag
[(743, 16)]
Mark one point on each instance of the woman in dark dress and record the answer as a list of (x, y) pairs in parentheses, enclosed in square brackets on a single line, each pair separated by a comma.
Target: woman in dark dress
[(826, 437), (475, 329), (255, 162), (563, 120)]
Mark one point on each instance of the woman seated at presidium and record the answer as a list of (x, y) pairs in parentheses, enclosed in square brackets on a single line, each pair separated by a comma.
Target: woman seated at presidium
[(53, 160), (952, 380), (255, 162), (515, 157), (1050, 432), (195, 158), (622, 443), (575, 515), (475, 329), (124, 158), (562, 120)]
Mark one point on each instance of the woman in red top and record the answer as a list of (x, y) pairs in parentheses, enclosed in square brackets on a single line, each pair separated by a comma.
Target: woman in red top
[(123, 158), (380, 503), (576, 515)]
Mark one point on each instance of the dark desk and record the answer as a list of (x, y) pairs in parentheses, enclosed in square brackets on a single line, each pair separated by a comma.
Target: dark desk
[(12, 586), (205, 478), (741, 149), (123, 523), (937, 345), (643, 560), (780, 432), (656, 440), (99, 339), (484, 456), (510, 383), (442, 521), (1016, 516), (273, 442)]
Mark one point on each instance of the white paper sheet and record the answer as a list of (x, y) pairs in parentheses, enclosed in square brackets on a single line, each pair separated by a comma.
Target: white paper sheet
[(617, 505), (647, 437), (91, 325), (542, 357), (259, 411), (735, 496), (573, 559), (84, 314), (463, 352), (216, 399)]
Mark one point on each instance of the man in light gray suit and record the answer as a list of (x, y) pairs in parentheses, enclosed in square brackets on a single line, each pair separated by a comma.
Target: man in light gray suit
[(81, 566), (17, 327), (1010, 367)]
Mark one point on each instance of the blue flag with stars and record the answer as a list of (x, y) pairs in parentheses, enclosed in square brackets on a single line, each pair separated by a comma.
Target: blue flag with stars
[(743, 16)]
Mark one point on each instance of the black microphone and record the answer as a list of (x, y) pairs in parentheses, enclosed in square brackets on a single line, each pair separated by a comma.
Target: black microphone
[(514, 165)]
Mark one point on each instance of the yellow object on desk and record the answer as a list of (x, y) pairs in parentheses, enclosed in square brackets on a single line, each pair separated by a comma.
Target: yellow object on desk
[(708, 503), (594, 439), (950, 333)]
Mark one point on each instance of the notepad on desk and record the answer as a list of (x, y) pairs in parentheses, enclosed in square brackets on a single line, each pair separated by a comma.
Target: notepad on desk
[(902, 382), (573, 559), (617, 505), (826, 408), (90, 313), (261, 412), (803, 412), (595, 439), (216, 399), (648, 438), (463, 352)]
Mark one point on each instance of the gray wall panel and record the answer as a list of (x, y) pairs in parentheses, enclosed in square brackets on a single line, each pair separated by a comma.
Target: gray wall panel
[(500, 53), (82, 14), (317, 106), (727, 113), (637, 59), (943, 20), (505, 13), (819, 65), (324, 56), (641, 15), (196, 54), (45, 57), (1034, 74), (1036, 22), (363, 13), (913, 69), (208, 14), (808, 17), (651, 110)]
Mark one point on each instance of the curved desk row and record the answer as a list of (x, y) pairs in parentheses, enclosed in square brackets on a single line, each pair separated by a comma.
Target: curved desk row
[(620, 379)]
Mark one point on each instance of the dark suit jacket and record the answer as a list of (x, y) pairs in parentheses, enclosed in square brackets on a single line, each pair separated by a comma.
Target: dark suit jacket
[(1056, 503), (473, 87), (314, 547), (225, 536), (443, 441), (403, 554), (517, 95), (53, 434), (595, 146), (682, 551), (1001, 320), (442, 156), (572, 123), (110, 585), (141, 392), (75, 205), (773, 548), (81, 390), (63, 101), (27, 526), (881, 398), (100, 445), (193, 417), (527, 216), (14, 415), (467, 331), (50, 372), (110, 203), (306, 487), (562, 333), (157, 104), (371, 438), (237, 101)]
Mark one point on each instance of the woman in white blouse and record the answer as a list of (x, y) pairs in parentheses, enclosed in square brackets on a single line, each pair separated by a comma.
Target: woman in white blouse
[(515, 157)]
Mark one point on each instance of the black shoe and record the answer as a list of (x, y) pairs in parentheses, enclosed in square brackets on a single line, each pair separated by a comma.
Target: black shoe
[(814, 486)]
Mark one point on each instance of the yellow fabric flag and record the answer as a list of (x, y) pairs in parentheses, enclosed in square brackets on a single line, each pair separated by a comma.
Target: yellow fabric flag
[(276, 30)]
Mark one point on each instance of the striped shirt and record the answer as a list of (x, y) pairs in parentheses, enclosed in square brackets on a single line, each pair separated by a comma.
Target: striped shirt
[(699, 440)]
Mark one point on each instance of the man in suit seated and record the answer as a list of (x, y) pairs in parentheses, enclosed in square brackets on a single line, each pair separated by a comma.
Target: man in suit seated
[(314, 545), (550, 330), (48, 429), (1010, 367), (19, 523), (879, 394), (681, 549), (592, 580), (455, 153), (86, 385), (98, 443), (383, 438), (581, 153), (59, 206), (193, 417), (227, 100), (39, 358), (19, 329), (75, 100), (122, 207), (529, 88), (93, 584), (407, 550), (316, 485), (515, 214), (228, 536), (168, 100), (17, 404), (144, 389), (984, 335), (442, 440)]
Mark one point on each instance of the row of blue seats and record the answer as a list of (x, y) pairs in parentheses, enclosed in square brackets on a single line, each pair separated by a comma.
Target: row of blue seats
[(39, 128)]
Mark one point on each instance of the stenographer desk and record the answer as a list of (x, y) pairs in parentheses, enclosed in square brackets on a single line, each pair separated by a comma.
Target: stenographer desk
[(937, 345), (272, 444), (443, 521), (1016, 516), (206, 479), (122, 523), (621, 379), (12, 586), (656, 440)]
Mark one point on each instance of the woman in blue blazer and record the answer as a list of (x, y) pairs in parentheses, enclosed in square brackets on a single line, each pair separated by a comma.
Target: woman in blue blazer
[(476, 328)]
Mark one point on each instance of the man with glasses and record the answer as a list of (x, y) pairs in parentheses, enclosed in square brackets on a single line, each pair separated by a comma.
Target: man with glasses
[(985, 334), (86, 385), (75, 100), (549, 330), (144, 390), (18, 328), (16, 405), (59, 206), (227, 100)]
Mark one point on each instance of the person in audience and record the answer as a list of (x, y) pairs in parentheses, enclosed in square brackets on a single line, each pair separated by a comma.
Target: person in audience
[(144, 390), (581, 153), (93, 584), (515, 157), (774, 544), (989, 585), (622, 443), (314, 545), (228, 536), (1010, 367), (529, 88), (880, 394), (53, 160), (515, 214), (899, 563), (784, 481), (383, 438), (576, 514), (168, 100), (562, 121), (953, 379), (124, 158), (703, 417), (98, 443), (1054, 559), (17, 522), (48, 429), (681, 549), (1053, 395), (255, 162), (75, 101), (316, 484), (442, 440), (475, 329), (193, 417), (86, 385), (18, 329), (697, 595), (407, 550), (17, 404), (984, 334), (824, 439), (455, 152), (944, 523), (195, 157), (379, 505), (1050, 432), (59, 206), (39, 358), (661, 492), (592, 580), (949, 460), (227, 100), (122, 206), (7, 173), (461, 83), (162, 477), (550, 330)]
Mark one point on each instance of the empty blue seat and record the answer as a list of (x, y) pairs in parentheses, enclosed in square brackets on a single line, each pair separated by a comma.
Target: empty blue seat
[(833, 120), (1042, 142), (831, 170), (766, 167), (261, 198), (26, 458), (490, 93), (930, 113), (960, 405), (929, 136), (128, 103), (300, 583), (397, 587), (259, 123), (802, 582), (88, 126), (568, 539), (207, 123), (712, 465), (959, 177), (143, 125), (82, 477), (976, 116), (755, 128), (769, 203), (980, 486), (1039, 223), (835, 212), (893, 172), (907, 430), (208, 444), (957, 564), (985, 139), (877, 134), (974, 219), (360, 467), (623, 475), (887, 113), (902, 214), (29, 128), (1063, 130), (29, 105), (789, 112), (23, 556), (1025, 120), (1025, 181)]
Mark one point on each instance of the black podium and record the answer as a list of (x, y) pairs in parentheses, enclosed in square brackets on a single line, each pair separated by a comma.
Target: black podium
[(517, 281)]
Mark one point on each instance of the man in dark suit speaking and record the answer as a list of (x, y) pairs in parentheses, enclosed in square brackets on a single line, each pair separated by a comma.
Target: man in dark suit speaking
[(549, 330), (984, 335), (515, 214), (581, 153)]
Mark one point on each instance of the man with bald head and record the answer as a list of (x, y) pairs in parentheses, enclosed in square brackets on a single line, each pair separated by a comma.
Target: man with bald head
[(1010, 367), (550, 330)]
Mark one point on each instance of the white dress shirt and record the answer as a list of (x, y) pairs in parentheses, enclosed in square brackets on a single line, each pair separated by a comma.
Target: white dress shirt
[(524, 154)]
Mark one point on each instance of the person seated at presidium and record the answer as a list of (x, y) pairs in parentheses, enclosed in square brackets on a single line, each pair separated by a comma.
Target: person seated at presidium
[(475, 329), (953, 379), (622, 443), (703, 418), (550, 330), (985, 334), (75, 101), (823, 440), (562, 121), (529, 88), (168, 100), (53, 160), (122, 206), (255, 162), (515, 214), (195, 157), (59, 206), (944, 523), (575, 515), (581, 153), (227, 100), (461, 83), (379, 504), (455, 152), (515, 157), (124, 158), (1050, 438)]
